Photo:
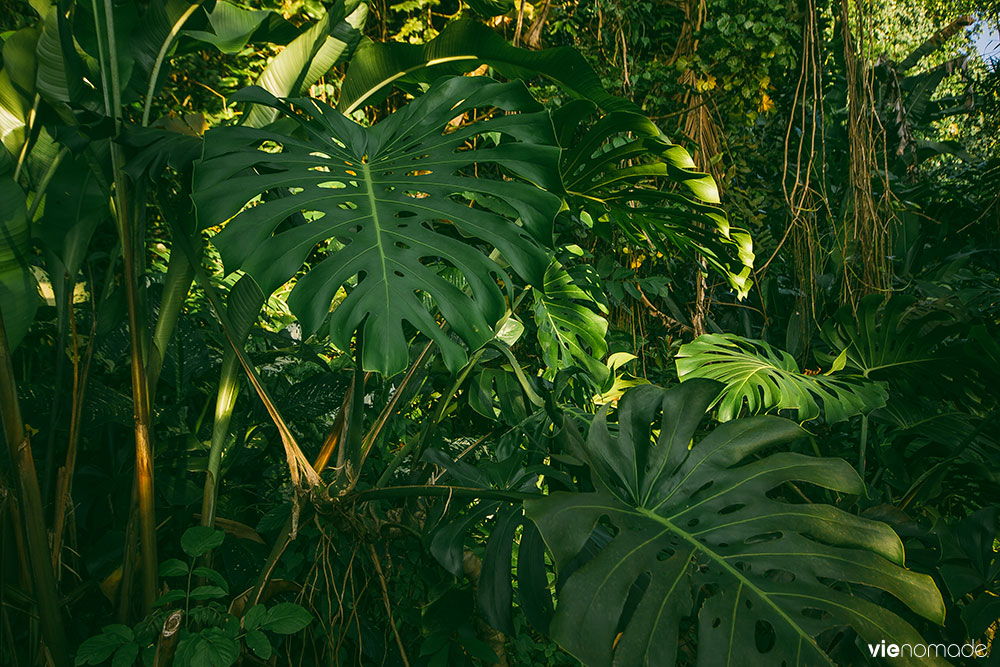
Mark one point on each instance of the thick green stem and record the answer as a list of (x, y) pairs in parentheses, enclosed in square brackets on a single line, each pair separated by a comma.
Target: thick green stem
[(30, 502), (864, 446)]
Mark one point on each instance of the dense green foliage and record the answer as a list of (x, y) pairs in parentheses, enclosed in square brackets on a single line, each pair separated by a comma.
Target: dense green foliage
[(442, 333)]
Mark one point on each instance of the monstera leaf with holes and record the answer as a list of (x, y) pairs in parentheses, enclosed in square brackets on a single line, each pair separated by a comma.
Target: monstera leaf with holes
[(391, 207), (698, 532), (907, 344), (571, 326), (764, 378), (622, 170)]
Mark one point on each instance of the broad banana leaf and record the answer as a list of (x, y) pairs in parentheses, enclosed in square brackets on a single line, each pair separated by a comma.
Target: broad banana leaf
[(462, 47), (386, 204), (695, 532), (18, 290), (309, 56), (764, 378)]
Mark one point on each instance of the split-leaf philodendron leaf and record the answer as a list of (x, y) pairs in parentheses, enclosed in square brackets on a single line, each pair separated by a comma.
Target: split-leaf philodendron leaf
[(764, 378), (389, 206), (699, 532)]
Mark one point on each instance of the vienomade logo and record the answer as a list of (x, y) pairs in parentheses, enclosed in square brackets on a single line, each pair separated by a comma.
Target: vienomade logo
[(968, 650)]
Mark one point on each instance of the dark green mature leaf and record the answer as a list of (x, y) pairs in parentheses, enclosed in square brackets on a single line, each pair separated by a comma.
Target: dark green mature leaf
[(490, 8), (697, 526), (209, 648), (309, 56), (126, 655), (18, 291), (890, 339), (199, 540), (388, 199), (461, 47), (258, 643), (286, 618), (173, 567), (99, 648), (571, 327), (765, 378), (623, 170)]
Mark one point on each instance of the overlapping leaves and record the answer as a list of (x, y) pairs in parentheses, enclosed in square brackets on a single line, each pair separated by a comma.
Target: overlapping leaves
[(387, 204), (697, 531)]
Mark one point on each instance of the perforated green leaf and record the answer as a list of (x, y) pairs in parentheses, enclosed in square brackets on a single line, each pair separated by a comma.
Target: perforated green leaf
[(764, 378), (571, 326), (624, 171), (698, 531), (386, 206)]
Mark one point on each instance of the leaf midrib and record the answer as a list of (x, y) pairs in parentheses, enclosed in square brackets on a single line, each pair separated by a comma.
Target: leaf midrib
[(373, 203), (762, 595)]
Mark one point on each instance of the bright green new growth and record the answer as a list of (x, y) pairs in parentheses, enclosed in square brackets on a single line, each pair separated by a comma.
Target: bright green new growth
[(764, 378)]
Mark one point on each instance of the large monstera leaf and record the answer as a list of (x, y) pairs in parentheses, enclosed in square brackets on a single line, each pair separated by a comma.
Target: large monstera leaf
[(763, 378), (392, 208), (622, 170), (699, 532)]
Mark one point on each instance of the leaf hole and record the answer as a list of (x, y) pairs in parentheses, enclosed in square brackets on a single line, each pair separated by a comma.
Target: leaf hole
[(693, 522), (419, 172), (780, 576), (416, 194), (665, 554), (404, 214), (729, 509), (332, 185), (764, 636), (763, 537), (401, 245), (319, 167), (268, 146)]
